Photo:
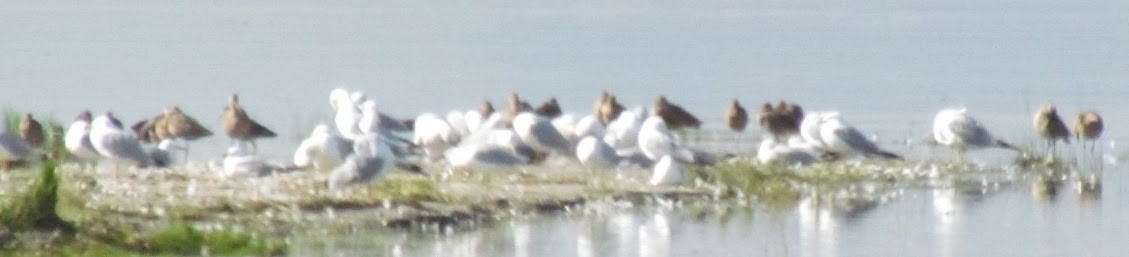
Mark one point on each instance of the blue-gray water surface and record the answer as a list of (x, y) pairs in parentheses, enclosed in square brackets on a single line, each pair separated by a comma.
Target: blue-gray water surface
[(888, 66)]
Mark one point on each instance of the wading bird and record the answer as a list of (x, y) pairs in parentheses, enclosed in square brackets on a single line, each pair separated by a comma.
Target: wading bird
[(240, 127), (1050, 127), (1088, 127)]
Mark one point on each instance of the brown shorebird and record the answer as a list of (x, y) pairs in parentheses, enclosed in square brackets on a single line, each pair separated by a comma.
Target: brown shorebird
[(1049, 126), (599, 104), (792, 110), (486, 108), (240, 127), (608, 108), (675, 116), (31, 131), (549, 109), (152, 130), (781, 121), (1088, 127), (736, 117), (517, 106), (182, 126)]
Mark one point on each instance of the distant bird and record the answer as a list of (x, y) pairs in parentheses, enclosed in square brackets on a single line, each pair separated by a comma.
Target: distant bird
[(180, 126), (607, 108), (566, 125), (347, 113), (241, 162), (539, 133), (240, 127), (595, 153), (517, 106), (375, 122), (13, 149), (781, 121), (549, 109), (794, 152), (810, 128), (162, 154), (655, 141), (31, 131), (623, 132), (111, 141), (1049, 126), (434, 135), (667, 172), (599, 104), (488, 156), (183, 127), (956, 129), (736, 117), (151, 130), (371, 159), (77, 139), (846, 140), (323, 150), (458, 122), (589, 126), (486, 108), (491, 148), (791, 109), (1088, 126), (675, 116)]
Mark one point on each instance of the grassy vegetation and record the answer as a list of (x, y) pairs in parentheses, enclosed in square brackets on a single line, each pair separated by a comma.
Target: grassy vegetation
[(35, 206), (408, 189), (34, 227), (784, 186), (182, 239)]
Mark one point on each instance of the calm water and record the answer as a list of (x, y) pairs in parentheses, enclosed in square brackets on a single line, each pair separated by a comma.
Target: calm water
[(887, 65)]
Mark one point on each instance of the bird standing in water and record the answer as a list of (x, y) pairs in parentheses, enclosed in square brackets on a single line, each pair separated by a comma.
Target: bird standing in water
[(1050, 127), (1088, 127)]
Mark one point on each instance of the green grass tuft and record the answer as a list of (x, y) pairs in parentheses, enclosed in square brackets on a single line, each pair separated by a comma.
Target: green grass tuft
[(35, 206), (182, 239), (772, 185), (406, 190)]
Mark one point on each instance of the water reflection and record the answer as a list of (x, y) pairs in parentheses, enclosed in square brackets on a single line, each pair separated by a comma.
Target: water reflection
[(817, 228), (951, 205)]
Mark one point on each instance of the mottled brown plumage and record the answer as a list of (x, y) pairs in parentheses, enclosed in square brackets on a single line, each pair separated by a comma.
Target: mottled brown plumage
[(1049, 125), (792, 110), (486, 108), (736, 116), (238, 125), (599, 104), (180, 125), (31, 131), (517, 106), (609, 108), (675, 116), (781, 121), (151, 130), (549, 109), (1088, 125)]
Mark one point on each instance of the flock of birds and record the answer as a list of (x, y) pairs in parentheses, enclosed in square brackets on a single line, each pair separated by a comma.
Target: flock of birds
[(364, 143)]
